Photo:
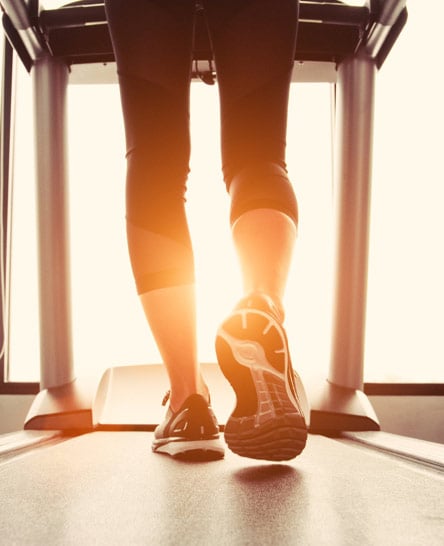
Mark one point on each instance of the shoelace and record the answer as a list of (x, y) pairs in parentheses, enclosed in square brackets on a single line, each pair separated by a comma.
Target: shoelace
[(166, 398)]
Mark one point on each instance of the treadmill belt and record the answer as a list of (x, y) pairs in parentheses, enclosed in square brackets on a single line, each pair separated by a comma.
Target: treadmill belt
[(109, 488)]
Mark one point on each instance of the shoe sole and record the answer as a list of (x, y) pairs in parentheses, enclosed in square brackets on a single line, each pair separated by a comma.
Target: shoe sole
[(268, 422), (191, 450)]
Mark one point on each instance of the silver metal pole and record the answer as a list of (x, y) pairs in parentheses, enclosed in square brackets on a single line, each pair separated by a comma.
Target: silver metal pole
[(50, 77), (353, 161)]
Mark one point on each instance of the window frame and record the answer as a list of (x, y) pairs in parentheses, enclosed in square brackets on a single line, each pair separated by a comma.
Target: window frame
[(6, 173)]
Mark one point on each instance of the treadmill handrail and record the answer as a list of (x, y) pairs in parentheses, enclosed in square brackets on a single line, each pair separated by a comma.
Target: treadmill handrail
[(391, 12), (18, 27), (18, 12), (372, 30), (47, 27), (73, 15)]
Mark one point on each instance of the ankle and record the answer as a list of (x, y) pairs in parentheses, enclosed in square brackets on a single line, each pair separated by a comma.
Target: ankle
[(179, 395), (273, 301)]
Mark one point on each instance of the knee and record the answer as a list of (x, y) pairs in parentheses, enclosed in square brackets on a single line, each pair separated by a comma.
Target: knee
[(155, 192), (264, 185)]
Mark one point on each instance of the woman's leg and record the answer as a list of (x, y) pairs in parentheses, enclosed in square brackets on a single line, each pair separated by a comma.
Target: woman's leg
[(152, 41), (264, 239), (254, 44)]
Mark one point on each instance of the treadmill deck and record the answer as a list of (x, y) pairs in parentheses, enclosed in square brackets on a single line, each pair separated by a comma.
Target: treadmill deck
[(109, 488)]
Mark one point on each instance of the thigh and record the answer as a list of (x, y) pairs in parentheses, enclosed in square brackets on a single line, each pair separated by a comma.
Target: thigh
[(254, 46), (152, 41)]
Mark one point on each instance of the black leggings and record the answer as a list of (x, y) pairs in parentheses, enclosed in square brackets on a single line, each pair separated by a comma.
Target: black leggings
[(253, 43)]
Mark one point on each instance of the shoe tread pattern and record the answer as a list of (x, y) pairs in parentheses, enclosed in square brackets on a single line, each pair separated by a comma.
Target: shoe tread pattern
[(267, 422)]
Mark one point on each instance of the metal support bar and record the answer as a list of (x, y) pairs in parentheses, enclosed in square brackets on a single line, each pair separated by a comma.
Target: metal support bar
[(390, 13), (353, 161), (50, 77)]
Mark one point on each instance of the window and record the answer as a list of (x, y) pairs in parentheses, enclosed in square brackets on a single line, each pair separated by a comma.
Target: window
[(406, 296), (108, 323), (406, 293), (23, 347)]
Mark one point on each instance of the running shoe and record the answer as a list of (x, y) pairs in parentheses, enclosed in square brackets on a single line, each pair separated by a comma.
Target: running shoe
[(269, 420), (192, 433)]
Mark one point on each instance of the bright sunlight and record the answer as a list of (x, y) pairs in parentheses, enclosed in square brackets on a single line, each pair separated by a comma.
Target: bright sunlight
[(406, 293)]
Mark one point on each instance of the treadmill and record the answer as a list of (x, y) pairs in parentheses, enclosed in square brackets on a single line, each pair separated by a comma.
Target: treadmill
[(81, 471)]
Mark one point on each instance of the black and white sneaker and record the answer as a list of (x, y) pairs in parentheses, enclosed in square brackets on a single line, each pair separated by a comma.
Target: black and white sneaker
[(192, 433), (270, 418)]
